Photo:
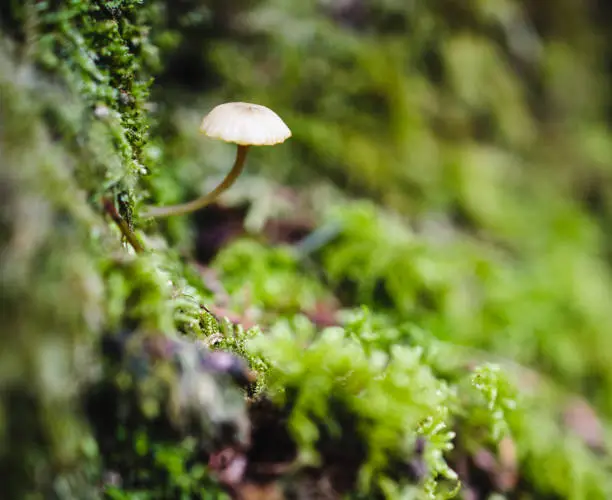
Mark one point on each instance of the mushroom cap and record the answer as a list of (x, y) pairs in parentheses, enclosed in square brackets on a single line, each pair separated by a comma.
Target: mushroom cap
[(245, 124)]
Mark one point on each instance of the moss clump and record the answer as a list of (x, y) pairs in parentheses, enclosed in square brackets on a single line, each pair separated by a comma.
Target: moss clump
[(73, 97), (104, 53), (376, 404)]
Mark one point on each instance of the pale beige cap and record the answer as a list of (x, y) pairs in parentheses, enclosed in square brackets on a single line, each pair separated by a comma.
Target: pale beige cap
[(245, 124)]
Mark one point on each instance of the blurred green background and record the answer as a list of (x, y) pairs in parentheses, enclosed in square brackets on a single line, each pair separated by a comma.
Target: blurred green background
[(459, 151), (483, 126)]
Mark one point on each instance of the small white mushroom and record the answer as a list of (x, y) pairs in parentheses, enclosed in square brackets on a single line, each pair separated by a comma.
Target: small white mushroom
[(244, 124)]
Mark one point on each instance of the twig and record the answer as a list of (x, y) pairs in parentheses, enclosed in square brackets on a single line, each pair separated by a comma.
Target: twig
[(110, 209)]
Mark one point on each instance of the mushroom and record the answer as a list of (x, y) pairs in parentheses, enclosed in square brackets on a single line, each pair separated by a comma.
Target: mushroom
[(244, 124)]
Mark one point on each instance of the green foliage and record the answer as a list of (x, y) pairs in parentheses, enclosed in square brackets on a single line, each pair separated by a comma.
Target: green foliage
[(331, 381), (47, 350), (185, 478), (485, 122), (482, 407), (103, 53), (386, 403), (460, 288), (554, 462), (274, 281), (154, 291), (499, 396), (65, 278)]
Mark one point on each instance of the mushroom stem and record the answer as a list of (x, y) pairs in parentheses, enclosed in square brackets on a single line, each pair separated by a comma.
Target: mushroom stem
[(202, 201)]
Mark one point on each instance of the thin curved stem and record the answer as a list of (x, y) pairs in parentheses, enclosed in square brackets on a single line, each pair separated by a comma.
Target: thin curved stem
[(202, 201)]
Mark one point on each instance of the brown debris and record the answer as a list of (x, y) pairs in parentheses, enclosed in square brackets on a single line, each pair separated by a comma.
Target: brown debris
[(582, 420), (324, 313), (216, 227), (507, 474), (229, 466), (254, 491)]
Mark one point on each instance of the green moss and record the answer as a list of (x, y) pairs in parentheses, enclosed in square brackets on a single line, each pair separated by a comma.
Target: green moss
[(48, 259), (74, 128), (494, 154), (103, 53), (384, 399), (273, 276)]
